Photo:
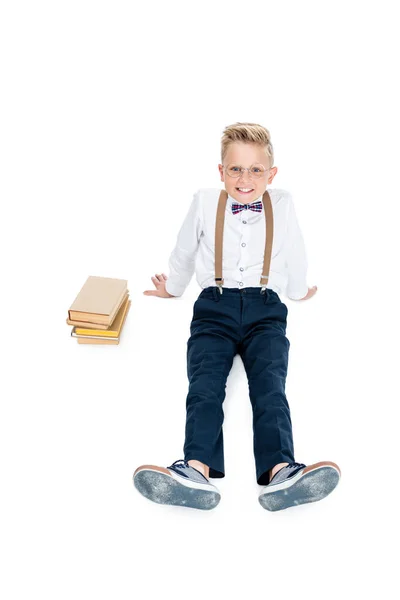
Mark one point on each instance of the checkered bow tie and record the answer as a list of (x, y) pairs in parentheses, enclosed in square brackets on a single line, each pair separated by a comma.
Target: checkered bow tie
[(256, 206)]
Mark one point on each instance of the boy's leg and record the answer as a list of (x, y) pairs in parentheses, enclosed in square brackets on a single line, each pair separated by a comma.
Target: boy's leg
[(265, 352), (211, 349)]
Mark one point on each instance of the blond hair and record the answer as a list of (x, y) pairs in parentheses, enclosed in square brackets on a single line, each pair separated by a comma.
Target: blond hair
[(249, 133)]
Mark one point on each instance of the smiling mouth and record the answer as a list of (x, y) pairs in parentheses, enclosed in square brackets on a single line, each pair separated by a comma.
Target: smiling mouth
[(244, 190)]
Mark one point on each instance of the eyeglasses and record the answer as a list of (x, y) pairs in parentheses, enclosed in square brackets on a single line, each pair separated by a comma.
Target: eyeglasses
[(257, 170)]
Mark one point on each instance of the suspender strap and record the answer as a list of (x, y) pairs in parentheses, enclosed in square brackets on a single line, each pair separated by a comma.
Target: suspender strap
[(269, 236), (219, 236)]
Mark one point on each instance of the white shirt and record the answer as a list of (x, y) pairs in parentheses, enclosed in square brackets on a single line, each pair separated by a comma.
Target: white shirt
[(243, 246)]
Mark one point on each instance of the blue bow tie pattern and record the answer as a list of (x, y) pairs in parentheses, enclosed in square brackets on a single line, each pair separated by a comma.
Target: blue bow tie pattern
[(256, 206)]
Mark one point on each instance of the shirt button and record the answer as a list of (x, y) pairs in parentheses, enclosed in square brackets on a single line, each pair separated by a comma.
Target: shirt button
[(243, 244), (241, 269), (244, 222), (240, 282)]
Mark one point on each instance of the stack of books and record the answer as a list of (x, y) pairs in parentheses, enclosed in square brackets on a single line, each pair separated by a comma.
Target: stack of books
[(99, 311)]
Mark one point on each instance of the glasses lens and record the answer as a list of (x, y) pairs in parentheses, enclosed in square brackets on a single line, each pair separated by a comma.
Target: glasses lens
[(234, 170), (257, 170)]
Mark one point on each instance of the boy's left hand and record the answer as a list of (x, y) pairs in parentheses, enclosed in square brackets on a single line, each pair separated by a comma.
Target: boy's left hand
[(311, 292)]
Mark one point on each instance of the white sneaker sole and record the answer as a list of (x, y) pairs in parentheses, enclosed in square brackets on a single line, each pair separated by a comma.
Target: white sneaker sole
[(164, 486)]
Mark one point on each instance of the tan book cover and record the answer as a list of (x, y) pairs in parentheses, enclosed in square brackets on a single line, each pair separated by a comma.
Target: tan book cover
[(93, 325), (86, 324), (98, 326), (113, 331), (110, 341), (98, 300)]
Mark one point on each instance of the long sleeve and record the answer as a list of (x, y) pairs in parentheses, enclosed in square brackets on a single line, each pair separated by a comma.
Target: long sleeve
[(182, 260), (296, 257)]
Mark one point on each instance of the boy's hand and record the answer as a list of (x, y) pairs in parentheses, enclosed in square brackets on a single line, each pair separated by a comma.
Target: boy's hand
[(310, 293), (159, 282)]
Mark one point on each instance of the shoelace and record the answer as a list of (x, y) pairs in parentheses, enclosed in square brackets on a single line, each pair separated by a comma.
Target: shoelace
[(184, 463), (295, 464), (181, 462)]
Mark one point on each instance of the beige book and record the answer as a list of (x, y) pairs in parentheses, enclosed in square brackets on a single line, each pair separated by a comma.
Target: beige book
[(87, 325), (101, 340), (98, 300), (112, 332)]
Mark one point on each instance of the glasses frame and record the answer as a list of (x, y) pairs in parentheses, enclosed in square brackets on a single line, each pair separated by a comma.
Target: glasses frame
[(242, 169)]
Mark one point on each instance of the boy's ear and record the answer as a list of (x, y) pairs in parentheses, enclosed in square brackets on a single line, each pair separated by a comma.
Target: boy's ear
[(272, 174)]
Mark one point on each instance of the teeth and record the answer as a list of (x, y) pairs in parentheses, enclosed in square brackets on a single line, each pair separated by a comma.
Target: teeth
[(245, 189)]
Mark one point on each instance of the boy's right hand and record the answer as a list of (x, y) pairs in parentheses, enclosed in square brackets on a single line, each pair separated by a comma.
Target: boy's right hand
[(159, 282)]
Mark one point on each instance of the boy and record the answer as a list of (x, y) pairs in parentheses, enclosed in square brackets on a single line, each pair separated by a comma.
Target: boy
[(236, 234)]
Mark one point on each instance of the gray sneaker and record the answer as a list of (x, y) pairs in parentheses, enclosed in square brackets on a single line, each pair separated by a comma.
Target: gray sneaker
[(179, 484), (297, 483)]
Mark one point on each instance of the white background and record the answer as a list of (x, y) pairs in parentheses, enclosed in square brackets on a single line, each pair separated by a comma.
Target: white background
[(111, 118)]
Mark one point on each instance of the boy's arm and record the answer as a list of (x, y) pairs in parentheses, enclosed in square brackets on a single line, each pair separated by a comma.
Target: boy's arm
[(182, 260), (296, 257)]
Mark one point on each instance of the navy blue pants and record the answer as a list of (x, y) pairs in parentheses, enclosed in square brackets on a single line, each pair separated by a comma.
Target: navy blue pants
[(253, 325)]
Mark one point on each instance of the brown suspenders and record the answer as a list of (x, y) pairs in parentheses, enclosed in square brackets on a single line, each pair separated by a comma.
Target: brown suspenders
[(219, 233)]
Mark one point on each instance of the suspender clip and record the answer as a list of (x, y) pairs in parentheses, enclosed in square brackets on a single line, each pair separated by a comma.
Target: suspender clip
[(219, 285), (264, 285)]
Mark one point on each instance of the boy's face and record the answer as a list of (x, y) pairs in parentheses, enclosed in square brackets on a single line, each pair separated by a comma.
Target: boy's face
[(243, 154)]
